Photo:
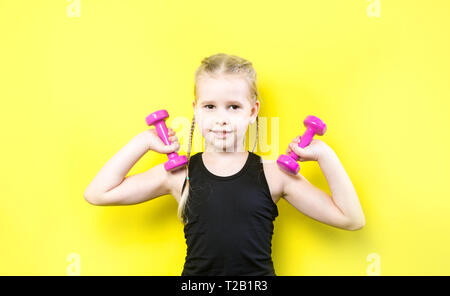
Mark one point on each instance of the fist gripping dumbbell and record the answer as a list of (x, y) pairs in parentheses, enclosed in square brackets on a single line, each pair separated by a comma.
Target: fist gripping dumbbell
[(157, 119), (313, 126)]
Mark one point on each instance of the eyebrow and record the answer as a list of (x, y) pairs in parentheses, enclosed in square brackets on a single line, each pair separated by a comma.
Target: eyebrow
[(213, 102)]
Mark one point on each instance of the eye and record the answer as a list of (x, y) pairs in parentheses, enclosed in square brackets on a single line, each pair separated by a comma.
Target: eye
[(237, 107), (206, 106)]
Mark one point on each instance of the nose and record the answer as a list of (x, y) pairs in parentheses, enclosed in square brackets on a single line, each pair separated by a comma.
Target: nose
[(222, 121), (222, 118)]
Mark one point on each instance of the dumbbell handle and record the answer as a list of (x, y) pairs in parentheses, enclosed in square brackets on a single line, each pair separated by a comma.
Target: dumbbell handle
[(157, 119), (305, 140), (163, 134)]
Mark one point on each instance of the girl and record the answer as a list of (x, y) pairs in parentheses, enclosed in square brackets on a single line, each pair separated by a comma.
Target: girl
[(227, 197)]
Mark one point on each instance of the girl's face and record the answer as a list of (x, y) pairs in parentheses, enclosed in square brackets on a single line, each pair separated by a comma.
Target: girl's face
[(223, 112)]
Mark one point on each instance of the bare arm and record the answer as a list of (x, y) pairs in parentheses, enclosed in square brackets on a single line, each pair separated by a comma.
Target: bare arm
[(341, 187), (110, 187), (342, 209), (313, 202)]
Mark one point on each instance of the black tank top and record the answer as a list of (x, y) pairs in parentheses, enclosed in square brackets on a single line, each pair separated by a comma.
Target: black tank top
[(230, 221)]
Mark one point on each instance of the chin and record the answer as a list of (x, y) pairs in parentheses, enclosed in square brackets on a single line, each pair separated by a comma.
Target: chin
[(220, 145)]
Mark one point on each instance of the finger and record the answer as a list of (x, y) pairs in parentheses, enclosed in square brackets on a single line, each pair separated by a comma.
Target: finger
[(176, 146), (293, 147), (173, 146)]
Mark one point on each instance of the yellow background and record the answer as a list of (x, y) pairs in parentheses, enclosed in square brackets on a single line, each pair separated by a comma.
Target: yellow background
[(74, 90)]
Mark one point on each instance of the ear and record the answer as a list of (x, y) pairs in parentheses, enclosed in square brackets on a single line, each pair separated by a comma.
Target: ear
[(254, 112)]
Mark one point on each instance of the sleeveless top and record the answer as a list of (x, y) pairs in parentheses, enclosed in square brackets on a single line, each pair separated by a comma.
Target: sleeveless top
[(230, 221)]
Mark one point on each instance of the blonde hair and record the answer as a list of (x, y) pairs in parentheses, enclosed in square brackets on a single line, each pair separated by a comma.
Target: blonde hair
[(217, 65)]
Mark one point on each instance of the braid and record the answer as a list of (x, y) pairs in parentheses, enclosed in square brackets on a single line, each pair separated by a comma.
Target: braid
[(184, 197), (256, 138), (257, 121), (190, 145), (190, 135)]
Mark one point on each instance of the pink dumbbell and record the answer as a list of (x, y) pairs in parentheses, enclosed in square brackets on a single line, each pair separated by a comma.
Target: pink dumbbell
[(157, 119), (313, 126)]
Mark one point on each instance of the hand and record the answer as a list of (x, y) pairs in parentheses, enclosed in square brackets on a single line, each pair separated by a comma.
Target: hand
[(154, 143), (312, 152)]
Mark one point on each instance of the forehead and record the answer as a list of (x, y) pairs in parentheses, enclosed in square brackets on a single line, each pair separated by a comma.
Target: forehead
[(222, 87)]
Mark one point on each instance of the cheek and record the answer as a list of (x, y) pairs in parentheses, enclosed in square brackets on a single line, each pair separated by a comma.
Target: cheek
[(241, 127), (204, 122)]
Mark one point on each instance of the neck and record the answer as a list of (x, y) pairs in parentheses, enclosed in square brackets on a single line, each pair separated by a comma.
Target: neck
[(225, 151), (226, 157)]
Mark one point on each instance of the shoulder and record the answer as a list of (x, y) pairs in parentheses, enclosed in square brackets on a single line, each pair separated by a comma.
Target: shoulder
[(274, 177), (176, 179), (279, 181)]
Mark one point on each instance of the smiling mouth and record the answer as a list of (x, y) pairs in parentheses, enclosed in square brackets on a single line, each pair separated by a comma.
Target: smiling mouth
[(221, 134)]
